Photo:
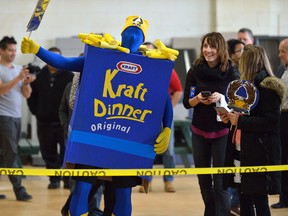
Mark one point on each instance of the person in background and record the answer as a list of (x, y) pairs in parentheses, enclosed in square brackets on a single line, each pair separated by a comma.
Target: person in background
[(246, 36), (175, 90), (14, 83), (44, 103), (212, 71), (282, 73), (65, 112), (2, 196), (260, 137), (235, 50)]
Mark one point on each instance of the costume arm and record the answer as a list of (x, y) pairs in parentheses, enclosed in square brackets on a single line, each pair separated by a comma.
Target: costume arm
[(168, 113), (163, 139), (60, 62)]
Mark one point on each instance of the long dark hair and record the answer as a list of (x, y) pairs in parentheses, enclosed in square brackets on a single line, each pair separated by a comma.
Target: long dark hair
[(215, 39), (6, 41)]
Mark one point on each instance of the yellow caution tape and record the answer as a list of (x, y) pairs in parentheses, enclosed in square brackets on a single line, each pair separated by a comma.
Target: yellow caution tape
[(140, 172)]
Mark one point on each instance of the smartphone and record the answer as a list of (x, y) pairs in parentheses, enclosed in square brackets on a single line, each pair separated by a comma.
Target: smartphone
[(221, 110), (206, 93)]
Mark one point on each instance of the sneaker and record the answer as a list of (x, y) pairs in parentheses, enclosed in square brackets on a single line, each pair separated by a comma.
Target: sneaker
[(23, 196), (279, 205), (168, 187), (54, 185), (2, 196), (142, 190), (235, 211)]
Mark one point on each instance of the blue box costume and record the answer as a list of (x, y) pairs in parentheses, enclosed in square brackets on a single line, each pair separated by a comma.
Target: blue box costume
[(118, 111)]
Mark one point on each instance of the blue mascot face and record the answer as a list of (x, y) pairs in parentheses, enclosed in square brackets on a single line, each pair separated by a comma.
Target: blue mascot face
[(132, 38)]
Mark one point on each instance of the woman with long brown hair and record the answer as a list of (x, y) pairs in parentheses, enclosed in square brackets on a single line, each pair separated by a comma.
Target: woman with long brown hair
[(211, 73)]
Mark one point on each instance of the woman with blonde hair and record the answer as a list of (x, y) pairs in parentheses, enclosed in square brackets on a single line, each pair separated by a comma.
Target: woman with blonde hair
[(260, 140)]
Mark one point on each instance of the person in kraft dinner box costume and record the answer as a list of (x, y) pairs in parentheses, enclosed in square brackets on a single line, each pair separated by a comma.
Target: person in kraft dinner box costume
[(133, 35)]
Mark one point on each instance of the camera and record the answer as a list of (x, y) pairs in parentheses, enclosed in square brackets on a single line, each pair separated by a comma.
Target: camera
[(33, 69)]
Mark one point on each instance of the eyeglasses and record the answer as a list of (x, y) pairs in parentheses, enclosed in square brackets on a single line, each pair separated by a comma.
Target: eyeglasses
[(241, 50)]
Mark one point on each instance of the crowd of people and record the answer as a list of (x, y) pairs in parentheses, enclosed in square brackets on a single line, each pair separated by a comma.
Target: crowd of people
[(218, 140)]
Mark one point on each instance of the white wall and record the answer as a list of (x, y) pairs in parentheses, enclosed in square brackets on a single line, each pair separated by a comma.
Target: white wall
[(167, 18), (264, 17)]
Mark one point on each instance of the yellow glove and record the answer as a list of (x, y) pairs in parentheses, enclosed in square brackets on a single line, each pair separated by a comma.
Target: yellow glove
[(162, 141), (29, 46)]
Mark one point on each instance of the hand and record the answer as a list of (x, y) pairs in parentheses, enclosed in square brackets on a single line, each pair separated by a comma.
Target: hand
[(162, 141), (224, 117), (29, 46), (204, 100), (233, 117), (23, 73), (29, 78), (215, 97)]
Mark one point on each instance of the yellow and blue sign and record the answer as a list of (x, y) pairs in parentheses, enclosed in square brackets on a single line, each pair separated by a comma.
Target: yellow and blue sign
[(118, 110), (37, 15), (242, 96)]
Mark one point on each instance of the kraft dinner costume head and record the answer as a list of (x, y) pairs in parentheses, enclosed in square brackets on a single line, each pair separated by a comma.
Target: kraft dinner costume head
[(134, 33)]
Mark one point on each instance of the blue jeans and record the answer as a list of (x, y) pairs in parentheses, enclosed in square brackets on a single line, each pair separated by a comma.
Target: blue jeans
[(98, 196), (234, 197), (205, 153), (169, 156)]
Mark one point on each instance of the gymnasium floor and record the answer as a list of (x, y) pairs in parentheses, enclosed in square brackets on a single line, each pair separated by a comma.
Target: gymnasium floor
[(185, 202)]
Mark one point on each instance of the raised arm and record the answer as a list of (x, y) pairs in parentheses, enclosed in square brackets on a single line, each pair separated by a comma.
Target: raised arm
[(71, 64)]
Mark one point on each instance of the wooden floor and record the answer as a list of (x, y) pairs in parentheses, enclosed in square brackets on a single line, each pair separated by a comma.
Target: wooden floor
[(185, 202)]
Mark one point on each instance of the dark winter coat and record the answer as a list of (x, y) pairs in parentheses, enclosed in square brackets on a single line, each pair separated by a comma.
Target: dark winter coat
[(260, 139), (46, 96), (204, 78)]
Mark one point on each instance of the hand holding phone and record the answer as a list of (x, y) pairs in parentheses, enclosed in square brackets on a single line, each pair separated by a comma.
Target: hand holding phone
[(221, 110)]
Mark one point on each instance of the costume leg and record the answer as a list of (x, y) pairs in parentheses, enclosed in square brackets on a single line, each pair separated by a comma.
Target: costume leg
[(93, 202), (79, 199), (123, 206)]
